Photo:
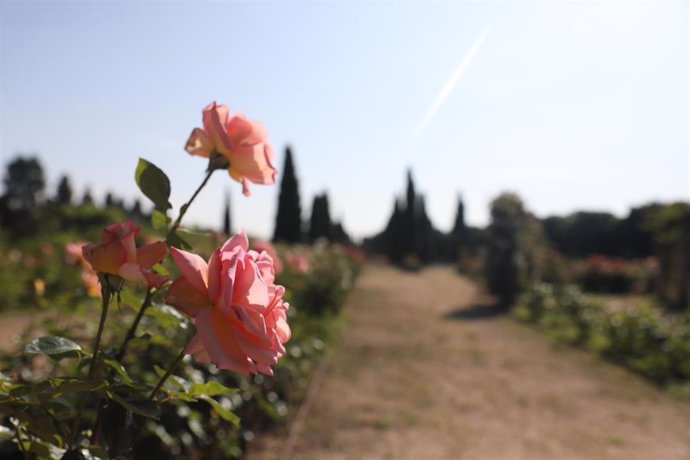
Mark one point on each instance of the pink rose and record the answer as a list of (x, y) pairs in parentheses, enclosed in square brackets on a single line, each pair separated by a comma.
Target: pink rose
[(261, 246), (238, 311), (117, 254), (240, 141)]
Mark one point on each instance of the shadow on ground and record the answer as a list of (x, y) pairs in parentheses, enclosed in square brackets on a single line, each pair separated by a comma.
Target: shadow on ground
[(477, 311)]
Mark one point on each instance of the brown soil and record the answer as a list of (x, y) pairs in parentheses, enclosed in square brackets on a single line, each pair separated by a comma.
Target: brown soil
[(428, 370)]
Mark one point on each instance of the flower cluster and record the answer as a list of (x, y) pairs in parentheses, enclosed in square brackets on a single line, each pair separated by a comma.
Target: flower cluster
[(237, 309)]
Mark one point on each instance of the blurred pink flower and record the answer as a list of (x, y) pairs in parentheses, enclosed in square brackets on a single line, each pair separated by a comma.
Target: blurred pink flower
[(297, 261), (238, 311), (242, 142), (74, 254), (117, 254)]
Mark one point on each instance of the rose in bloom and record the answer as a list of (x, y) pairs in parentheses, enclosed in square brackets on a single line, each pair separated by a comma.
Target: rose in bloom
[(117, 254), (261, 246), (242, 142), (238, 311)]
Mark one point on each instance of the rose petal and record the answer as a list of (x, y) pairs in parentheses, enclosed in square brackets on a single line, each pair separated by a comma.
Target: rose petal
[(220, 343), (215, 117), (199, 144), (186, 298), (193, 267), (151, 254), (105, 258)]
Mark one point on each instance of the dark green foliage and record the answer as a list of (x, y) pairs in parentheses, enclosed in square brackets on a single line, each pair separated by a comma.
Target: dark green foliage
[(586, 233), (506, 258), (338, 234), (459, 227), (64, 191), (24, 184), (19, 206), (227, 223), (87, 199), (288, 227), (320, 225), (409, 238), (670, 226)]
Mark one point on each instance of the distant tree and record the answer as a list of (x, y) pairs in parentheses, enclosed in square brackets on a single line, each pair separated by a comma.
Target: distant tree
[(110, 200), (459, 226), (64, 191), (136, 212), (583, 233), (227, 224), (408, 225), (87, 199), (506, 260), (288, 226), (320, 225), (24, 184), (22, 200), (670, 225), (338, 234)]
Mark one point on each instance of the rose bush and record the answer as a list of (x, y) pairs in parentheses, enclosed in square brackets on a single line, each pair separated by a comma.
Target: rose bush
[(237, 308), (241, 142)]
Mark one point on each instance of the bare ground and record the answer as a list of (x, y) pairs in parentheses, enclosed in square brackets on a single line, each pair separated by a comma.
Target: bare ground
[(426, 370)]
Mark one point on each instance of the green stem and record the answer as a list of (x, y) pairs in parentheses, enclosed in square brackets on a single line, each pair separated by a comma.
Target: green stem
[(107, 296), (133, 328), (183, 209), (171, 369)]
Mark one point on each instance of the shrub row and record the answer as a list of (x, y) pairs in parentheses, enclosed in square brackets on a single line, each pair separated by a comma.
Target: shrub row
[(642, 338), (224, 425)]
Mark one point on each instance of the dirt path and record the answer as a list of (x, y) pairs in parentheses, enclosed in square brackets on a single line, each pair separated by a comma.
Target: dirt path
[(426, 371)]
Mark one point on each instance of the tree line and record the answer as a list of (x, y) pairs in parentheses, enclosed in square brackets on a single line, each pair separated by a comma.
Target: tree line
[(27, 207)]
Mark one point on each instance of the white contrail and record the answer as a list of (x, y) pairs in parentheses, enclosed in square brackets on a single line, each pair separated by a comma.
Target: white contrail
[(445, 92)]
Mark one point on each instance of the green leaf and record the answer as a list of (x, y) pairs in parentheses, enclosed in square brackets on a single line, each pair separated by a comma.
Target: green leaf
[(120, 429), (212, 388), (53, 346), (79, 386), (141, 406), (159, 219), (119, 369), (153, 183), (176, 240), (129, 300), (141, 341), (222, 412), (179, 395)]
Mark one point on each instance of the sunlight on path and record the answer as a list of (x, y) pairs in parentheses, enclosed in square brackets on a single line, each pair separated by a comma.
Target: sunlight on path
[(427, 371)]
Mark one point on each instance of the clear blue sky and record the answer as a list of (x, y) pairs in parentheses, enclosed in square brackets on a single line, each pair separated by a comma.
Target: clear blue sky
[(574, 105)]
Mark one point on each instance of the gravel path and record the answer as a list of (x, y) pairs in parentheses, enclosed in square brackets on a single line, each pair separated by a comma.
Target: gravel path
[(426, 370)]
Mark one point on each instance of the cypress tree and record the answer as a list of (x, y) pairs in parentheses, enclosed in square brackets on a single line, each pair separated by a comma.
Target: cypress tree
[(87, 199), (459, 226), (320, 222), (227, 227), (409, 242), (64, 191), (288, 227)]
